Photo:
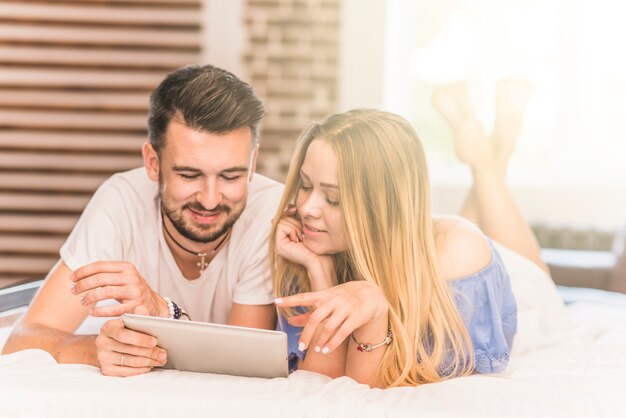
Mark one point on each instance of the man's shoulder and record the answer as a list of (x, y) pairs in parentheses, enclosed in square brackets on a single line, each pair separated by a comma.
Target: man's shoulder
[(263, 185), (130, 184), (264, 194), (128, 193), (136, 178)]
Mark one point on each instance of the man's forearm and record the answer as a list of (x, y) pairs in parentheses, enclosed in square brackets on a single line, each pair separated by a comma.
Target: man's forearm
[(63, 346)]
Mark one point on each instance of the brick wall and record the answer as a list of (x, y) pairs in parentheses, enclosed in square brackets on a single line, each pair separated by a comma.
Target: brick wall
[(291, 59)]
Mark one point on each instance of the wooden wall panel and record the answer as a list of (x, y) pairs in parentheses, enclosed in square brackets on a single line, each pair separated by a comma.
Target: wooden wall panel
[(75, 77)]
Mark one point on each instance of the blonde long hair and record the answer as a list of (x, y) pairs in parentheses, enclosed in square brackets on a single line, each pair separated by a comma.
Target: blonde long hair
[(385, 207)]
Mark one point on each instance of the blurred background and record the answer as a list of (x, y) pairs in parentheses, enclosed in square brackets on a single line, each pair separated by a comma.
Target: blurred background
[(75, 76)]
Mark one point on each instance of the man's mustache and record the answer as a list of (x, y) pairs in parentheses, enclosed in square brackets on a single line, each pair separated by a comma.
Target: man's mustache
[(196, 206)]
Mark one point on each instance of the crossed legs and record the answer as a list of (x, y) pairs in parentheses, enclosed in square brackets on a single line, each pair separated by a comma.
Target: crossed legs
[(490, 203)]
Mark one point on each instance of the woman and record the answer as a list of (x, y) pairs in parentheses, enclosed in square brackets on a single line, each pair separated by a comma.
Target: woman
[(385, 294)]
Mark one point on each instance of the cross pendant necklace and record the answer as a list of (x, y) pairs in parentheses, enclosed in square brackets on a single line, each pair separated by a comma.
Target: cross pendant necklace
[(202, 264)]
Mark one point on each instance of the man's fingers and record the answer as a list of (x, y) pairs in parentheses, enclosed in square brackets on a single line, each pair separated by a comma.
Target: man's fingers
[(132, 360), (113, 310), (140, 361), (114, 340), (156, 355), (110, 292), (141, 310), (98, 280), (113, 370), (115, 329), (131, 337), (100, 267)]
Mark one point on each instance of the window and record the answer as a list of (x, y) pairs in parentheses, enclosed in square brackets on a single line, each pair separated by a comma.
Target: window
[(569, 166)]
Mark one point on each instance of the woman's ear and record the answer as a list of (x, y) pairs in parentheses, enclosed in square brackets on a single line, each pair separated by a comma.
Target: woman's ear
[(150, 161)]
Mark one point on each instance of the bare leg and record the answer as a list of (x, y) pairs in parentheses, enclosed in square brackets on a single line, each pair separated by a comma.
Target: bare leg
[(490, 203), (470, 141), (511, 99)]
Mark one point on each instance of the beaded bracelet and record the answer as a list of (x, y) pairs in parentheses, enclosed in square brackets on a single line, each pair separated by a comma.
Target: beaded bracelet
[(366, 347), (175, 311)]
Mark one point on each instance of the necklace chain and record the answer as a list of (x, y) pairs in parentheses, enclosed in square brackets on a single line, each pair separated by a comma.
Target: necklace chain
[(202, 264)]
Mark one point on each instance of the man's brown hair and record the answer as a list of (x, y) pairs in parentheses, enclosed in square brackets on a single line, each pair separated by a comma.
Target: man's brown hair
[(205, 98)]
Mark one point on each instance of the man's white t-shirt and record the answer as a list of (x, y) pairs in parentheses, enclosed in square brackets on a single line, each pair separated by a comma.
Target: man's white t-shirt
[(122, 222)]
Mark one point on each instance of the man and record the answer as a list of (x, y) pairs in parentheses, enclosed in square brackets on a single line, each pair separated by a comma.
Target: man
[(184, 237)]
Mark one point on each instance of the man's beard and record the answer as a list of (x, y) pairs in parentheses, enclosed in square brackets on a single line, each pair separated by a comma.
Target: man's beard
[(205, 234)]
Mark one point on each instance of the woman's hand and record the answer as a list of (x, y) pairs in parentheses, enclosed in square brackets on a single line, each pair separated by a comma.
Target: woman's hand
[(339, 311), (289, 244)]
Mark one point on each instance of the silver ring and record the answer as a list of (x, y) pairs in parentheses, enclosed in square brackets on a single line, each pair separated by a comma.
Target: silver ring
[(122, 361)]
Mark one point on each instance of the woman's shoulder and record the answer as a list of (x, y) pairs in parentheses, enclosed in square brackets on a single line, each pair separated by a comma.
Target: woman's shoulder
[(462, 248)]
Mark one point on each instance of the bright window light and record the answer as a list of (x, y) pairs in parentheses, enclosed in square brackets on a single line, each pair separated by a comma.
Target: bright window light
[(571, 50)]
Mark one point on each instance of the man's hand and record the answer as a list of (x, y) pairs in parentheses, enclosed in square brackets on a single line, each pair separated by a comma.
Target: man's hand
[(124, 352), (116, 280)]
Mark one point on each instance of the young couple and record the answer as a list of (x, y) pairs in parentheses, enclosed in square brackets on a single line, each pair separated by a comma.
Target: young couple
[(368, 284)]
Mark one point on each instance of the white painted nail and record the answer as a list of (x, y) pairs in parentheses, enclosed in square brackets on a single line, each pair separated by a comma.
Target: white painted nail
[(325, 350), (301, 346), (317, 348)]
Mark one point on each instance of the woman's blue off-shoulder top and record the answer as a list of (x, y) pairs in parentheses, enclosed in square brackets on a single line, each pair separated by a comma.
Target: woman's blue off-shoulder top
[(487, 307)]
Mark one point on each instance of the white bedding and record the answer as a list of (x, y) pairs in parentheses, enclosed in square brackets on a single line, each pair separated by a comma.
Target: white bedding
[(566, 362)]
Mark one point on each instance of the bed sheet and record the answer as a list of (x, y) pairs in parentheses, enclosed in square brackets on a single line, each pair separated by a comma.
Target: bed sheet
[(581, 374), (566, 362)]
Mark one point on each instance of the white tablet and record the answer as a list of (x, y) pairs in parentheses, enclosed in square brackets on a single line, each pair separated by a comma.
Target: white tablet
[(214, 348)]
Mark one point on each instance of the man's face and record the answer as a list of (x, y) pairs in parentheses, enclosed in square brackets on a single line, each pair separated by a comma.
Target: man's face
[(203, 179)]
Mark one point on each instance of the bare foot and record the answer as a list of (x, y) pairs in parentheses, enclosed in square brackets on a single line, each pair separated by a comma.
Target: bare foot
[(511, 99), (454, 103)]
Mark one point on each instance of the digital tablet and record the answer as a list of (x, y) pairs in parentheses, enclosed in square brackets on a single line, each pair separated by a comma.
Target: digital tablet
[(214, 348)]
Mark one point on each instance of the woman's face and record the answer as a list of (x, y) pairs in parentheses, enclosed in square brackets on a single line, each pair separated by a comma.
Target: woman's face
[(317, 201)]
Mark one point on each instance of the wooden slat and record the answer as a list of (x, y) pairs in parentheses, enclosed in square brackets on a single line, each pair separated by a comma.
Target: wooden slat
[(51, 182), (32, 33), (110, 14), (35, 265), (70, 141), (22, 161), (37, 224), (30, 245), (75, 79), (25, 55), (42, 202), (94, 79), (172, 3), (59, 99), (72, 120)]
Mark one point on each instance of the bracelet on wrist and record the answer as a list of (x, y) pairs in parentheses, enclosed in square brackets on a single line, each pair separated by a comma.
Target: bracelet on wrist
[(367, 347), (175, 311)]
